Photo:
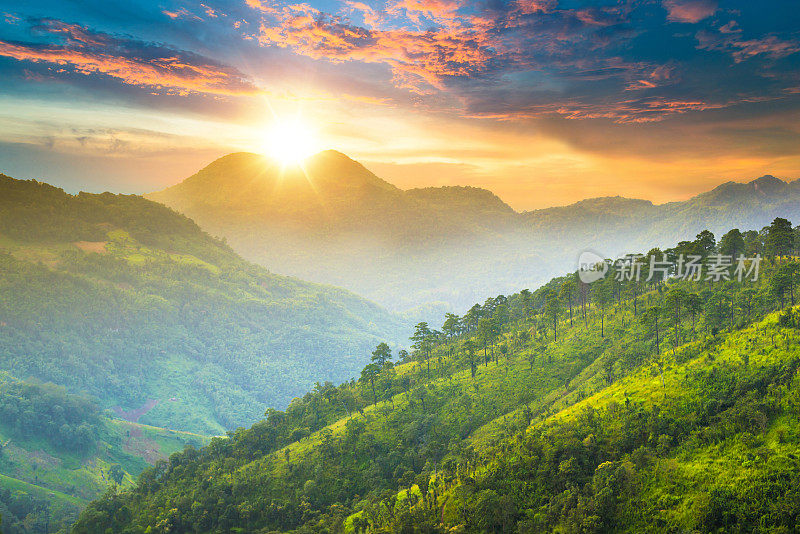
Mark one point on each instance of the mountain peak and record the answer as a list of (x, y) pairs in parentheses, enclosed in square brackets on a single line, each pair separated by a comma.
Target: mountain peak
[(254, 183), (767, 183), (456, 197), (727, 192)]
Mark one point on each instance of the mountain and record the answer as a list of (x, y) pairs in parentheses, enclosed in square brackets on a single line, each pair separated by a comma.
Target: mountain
[(625, 224), (338, 223), (122, 298), (617, 406), (333, 221)]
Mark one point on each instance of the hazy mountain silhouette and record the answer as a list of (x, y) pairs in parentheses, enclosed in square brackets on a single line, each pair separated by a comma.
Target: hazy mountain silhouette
[(336, 222)]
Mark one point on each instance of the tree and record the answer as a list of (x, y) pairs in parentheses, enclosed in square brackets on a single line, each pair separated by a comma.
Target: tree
[(745, 302), (117, 474), (472, 317), (501, 315), (369, 374), (783, 281), (779, 240), (651, 264), (486, 333), (650, 319), (504, 349), (717, 310), (422, 342), (603, 296), (674, 304), (552, 309), (705, 243), (527, 302), (451, 325), (523, 336), (470, 348), (567, 292), (732, 244), (382, 356), (693, 305)]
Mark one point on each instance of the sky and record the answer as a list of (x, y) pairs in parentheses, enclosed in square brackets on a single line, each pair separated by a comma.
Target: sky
[(545, 102)]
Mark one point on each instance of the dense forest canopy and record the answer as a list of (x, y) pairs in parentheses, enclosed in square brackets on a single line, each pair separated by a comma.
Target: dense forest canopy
[(48, 412), (666, 402)]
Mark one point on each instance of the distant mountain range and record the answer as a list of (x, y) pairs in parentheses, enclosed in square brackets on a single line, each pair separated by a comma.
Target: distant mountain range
[(444, 247), (121, 298)]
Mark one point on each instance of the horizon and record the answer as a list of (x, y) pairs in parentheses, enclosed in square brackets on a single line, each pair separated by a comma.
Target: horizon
[(688, 196)]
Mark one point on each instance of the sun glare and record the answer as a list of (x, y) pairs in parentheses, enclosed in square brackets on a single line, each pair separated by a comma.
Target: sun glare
[(290, 141)]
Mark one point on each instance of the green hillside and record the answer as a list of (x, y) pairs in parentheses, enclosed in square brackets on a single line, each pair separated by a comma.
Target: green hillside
[(59, 451), (121, 298), (622, 405)]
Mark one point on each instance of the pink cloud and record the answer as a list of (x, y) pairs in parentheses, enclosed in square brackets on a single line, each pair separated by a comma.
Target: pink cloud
[(691, 11), (89, 53), (528, 7), (414, 56), (742, 49)]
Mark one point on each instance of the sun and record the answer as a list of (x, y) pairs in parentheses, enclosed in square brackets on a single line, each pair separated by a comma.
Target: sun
[(290, 141)]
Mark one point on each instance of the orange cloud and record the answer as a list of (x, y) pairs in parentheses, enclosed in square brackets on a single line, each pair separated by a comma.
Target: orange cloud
[(415, 57), (171, 72)]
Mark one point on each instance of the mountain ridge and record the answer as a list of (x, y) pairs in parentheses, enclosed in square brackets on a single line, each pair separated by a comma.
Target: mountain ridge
[(401, 248)]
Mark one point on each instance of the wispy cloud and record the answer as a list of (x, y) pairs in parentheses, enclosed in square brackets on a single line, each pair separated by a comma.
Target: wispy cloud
[(741, 49), (154, 67)]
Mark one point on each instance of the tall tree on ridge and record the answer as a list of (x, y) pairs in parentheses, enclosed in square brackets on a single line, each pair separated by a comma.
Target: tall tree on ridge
[(650, 318), (567, 293), (552, 310), (779, 240), (382, 356), (732, 244), (422, 342)]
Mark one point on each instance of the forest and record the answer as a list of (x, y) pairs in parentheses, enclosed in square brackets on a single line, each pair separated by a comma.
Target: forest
[(667, 403), (47, 411), (125, 300)]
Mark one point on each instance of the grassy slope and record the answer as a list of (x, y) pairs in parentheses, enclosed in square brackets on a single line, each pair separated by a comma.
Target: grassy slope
[(514, 397)]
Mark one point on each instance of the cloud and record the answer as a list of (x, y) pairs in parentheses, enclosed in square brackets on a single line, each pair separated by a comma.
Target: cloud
[(769, 46), (417, 58), (157, 68), (632, 111), (691, 11)]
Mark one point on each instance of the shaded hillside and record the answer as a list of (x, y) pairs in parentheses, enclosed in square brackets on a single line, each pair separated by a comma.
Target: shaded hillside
[(122, 298), (438, 248)]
